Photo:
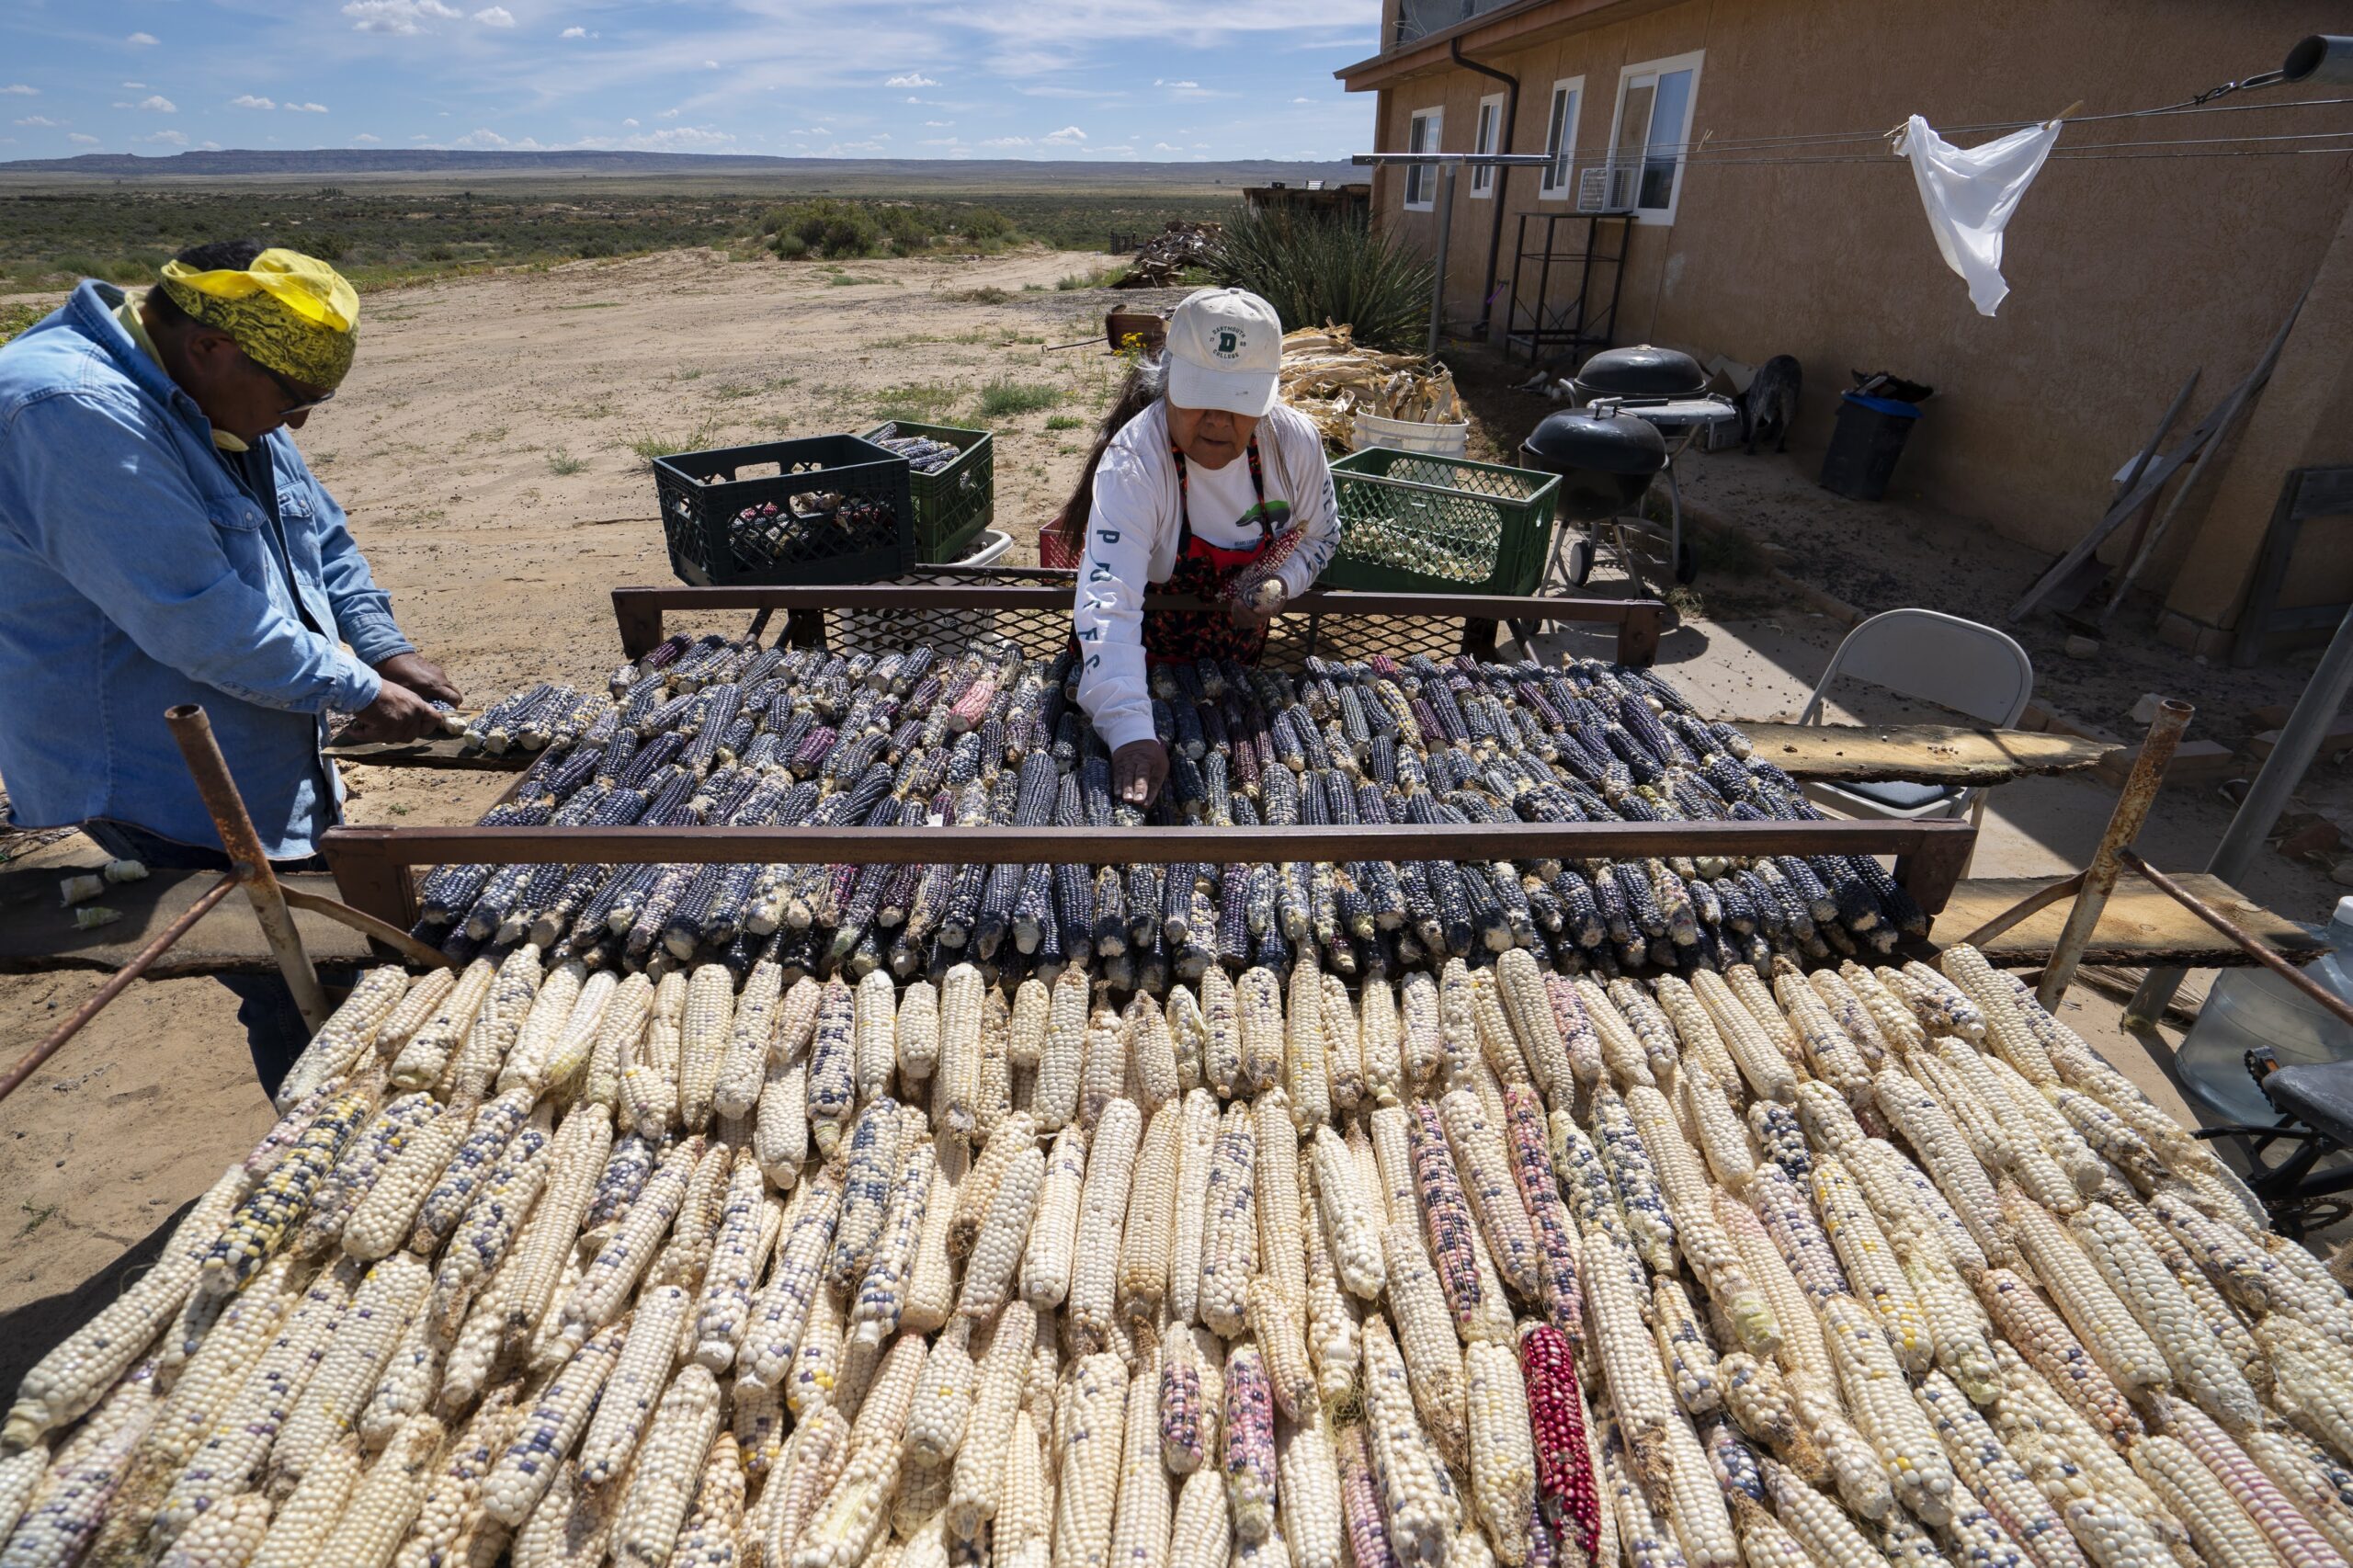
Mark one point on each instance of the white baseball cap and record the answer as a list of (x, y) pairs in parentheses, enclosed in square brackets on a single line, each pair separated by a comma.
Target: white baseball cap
[(1225, 350)]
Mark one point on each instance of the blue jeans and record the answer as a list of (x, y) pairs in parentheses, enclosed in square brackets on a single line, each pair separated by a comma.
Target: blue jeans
[(275, 1032)]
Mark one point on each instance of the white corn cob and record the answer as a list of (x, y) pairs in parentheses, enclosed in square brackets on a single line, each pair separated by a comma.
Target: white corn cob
[(977, 1490), (748, 1227), (2290, 1533), (943, 1399), (1142, 1512), (1202, 1535), (450, 1506), (1259, 1011), (661, 1481), (751, 1033), (1146, 1237), (1652, 1031), (73, 1378), (1426, 1338), (649, 1351), (1722, 1140), (2201, 1366), (1830, 1539), (781, 1312), (225, 1538), (427, 1054), (1870, 1264), (307, 1520), (931, 1287), (1697, 1512), (475, 1065), (1832, 1055), (2091, 1307), (1419, 1030), (1802, 1348), (384, 1217), (1309, 1490), (354, 1359), (1102, 1211), (780, 1123), (604, 1287), (1699, 1041), (993, 1091), (1230, 1230), (1945, 1153), (1062, 1054), (1153, 1049), (1052, 1236), (813, 1461), (345, 1038), (850, 1520), (874, 1033), (1025, 1521), (1196, 1141), (1024, 1042), (2006, 1030), (1760, 1057), (1103, 1075), (1093, 1436), (1621, 1050), (1503, 1452), (1875, 1390), (1638, 1385), (1349, 1218), (385, 1502), (420, 1001), (2225, 1536), (1380, 1043), (1418, 1493), (956, 1082)]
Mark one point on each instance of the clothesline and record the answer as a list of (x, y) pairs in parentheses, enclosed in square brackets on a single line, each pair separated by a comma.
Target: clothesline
[(1797, 139), (1702, 157)]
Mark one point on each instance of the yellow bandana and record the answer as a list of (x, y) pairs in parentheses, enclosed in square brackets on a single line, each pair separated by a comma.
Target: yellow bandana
[(291, 313)]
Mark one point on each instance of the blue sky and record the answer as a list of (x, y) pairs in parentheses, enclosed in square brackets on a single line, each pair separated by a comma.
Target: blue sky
[(1098, 79)]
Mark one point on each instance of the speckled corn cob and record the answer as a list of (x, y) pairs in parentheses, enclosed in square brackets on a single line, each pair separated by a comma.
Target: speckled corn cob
[(1793, 1309), (611, 1277), (2225, 1536), (977, 1488), (2101, 1319), (225, 1538), (2308, 1480), (345, 1038), (2201, 1366), (384, 1217), (1996, 1479), (2033, 1331), (363, 1341), (1639, 1390), (1248, 1459), (263, 1221), (450, 1512), (872, 1156), (1689, 1361), (1875, 1390), (882, 1293), (833, 1066), (1635, 1180), (1829, 1537), (1870, 1264), (1230, 1230), (661, 1481), (2292, 1536), (424, 1056)]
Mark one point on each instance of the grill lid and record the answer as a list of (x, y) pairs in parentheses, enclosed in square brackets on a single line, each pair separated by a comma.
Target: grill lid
[(1605, 462), (1641, 370)]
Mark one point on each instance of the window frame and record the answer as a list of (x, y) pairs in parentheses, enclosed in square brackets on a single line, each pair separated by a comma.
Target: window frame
[(1573, 88), (1416, 173), (1486, 136), (1629, 77)]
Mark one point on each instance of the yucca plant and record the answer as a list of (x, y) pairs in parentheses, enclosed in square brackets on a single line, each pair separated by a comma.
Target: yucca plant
[(1315, 269)]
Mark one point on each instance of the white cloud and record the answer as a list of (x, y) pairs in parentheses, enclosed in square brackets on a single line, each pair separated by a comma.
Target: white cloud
[(1008, 141), (912, 79), (492, 139), (941, 141), (20, 90), (1158, 82), (495, 17), (169, 138), (1165, 147), (247, 100), (574, 32), (1302, 101), (42, 122), (81, 141), (366, 139), (157, 103), (140, 39), (208, 146), (135, 86), (631, 124), (667, 114), (401, 18), (937, 124), (711, 64), (307, 108), (1068, 136)]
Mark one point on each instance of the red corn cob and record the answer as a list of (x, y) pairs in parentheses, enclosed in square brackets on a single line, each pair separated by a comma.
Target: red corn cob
[(1564, 1483), (1360, 1504), (1243, 585)]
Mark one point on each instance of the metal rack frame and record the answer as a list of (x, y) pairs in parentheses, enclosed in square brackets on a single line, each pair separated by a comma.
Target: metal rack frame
[(1583, 324)]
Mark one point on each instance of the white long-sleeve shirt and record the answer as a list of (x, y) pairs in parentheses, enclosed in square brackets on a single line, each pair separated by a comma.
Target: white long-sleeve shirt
[(1132, 541)]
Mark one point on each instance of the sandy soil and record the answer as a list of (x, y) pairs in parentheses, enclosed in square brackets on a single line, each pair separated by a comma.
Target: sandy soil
[(483, 448)]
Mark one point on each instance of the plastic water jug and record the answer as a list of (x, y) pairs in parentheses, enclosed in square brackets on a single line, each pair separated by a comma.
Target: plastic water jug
[(2253, 1007)]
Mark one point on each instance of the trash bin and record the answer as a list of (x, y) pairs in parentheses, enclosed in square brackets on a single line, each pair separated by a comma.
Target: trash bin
[(1863, 448)]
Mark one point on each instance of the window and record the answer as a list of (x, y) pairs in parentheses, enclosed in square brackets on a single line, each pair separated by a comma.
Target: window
[(1421, 179), (1561, 142), (1648, 139), (1491, 125)]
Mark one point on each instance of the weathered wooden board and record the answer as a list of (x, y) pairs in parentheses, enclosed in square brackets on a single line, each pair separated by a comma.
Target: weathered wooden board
[(38, 934), (441, 751), (2140, 928), (1919, 753)]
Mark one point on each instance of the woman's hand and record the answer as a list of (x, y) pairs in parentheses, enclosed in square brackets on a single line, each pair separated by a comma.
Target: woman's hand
[(1256, 611), (1138, 770)]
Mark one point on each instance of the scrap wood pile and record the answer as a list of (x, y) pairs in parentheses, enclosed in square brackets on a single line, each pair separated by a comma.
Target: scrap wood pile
[(1177, 247), (558, 1268), (719, 732), (1326, 377)]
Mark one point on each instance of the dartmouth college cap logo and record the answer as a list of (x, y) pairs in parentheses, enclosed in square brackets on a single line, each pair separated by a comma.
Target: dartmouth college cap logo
[(1228, 345)]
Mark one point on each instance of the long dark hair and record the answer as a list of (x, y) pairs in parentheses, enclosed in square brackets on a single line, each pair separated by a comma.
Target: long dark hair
[(1146, 384)]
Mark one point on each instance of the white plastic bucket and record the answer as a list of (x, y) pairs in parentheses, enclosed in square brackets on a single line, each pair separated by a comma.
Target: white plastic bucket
[(1413, 435), (877, 631)]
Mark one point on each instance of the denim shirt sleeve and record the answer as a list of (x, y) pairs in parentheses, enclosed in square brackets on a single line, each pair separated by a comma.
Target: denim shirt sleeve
[(363, 612), (107, 502)]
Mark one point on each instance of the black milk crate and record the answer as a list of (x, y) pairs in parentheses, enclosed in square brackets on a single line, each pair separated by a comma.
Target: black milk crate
[(955, 503), (817, 510)]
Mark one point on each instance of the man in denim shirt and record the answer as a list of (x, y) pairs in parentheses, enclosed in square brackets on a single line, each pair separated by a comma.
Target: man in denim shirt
[(162, 542)]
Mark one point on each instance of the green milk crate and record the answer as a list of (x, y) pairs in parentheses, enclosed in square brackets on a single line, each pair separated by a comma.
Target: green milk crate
[(954, 505), (1416, 524)]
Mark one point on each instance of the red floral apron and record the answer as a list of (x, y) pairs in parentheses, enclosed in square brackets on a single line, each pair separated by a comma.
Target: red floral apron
[(1202, 570)]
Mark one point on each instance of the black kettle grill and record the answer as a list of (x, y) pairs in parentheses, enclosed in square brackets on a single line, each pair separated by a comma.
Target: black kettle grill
[(1642, 370)]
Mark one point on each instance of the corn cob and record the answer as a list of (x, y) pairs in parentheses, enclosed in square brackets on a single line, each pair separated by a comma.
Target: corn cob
[(1760, 1058), (1873, 1385), (1996, 1479), (2310, 1381), (1230, 1233), (2307, 1479), (426, 1054), (2201, 1366), (1062, 1054), (2225, 1536), (1636, 1181), (1142, 1513), (1698, 1512), (1145, 1239), (353, 1360), (346, 1037), (1945, 1153), (1870, 1264), (1689, 1361), (2290, 1534), (977, 1490), (1716, 1128), (1311, 1522), (1102, 1211), (1645, 1542), (422, 999), (646, 1529), (1639, 1390), (1484, 1169), (1420, 1030), (2085, 1298), (748, 1228), (611, 1277), (850, 1520), (1249, 1462), (2039, 1334)]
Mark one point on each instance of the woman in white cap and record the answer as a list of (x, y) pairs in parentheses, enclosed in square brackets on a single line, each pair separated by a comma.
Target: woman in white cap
[(1199, 472)]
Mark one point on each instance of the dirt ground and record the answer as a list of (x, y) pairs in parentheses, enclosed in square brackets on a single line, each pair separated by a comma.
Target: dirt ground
[(484, 449)]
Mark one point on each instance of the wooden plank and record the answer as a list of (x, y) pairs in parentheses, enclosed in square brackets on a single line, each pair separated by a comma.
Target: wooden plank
[(441, 751), (38, 935), (1919, 753), (2140, 928)]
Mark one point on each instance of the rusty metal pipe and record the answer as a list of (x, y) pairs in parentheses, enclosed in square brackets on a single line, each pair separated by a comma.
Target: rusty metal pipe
[(2123, 826), (32, 1060), (2253, 945), (247, 862)]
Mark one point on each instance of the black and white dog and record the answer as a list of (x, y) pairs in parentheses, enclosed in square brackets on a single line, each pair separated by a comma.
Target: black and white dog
[(1772, 403)]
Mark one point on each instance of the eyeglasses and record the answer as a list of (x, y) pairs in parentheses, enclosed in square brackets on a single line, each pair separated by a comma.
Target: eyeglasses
[(297, 399)]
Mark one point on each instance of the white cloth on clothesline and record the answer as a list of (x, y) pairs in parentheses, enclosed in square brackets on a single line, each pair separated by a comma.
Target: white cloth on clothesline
[(1970, 193)]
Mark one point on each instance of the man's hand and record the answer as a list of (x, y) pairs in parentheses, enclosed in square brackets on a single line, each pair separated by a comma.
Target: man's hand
[(421, 676), (397, 714), (1138, 770)]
